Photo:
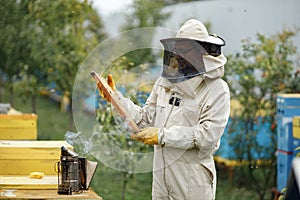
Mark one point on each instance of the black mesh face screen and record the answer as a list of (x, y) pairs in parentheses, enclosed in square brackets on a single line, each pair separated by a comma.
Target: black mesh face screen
[(182, 59)]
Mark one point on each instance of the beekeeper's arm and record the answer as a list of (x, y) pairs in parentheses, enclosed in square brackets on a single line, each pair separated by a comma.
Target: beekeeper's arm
[(143, 117)]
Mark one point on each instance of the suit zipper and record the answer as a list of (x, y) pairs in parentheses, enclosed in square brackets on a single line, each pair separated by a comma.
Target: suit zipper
[(162, 149)]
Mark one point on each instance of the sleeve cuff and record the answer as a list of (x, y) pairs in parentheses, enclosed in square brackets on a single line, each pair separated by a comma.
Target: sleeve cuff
[(160, 136)]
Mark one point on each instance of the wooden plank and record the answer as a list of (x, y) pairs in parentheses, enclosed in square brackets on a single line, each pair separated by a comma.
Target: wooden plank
[(10, 149), (21, 116), (24, 182), (291, 95), (35, 144), (45, 194), (30, 153)]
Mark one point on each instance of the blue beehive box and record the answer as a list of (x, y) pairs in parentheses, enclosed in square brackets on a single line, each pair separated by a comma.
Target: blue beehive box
[(285, 133), (288, 105), (228, 145), (296, 145), (284, 161)]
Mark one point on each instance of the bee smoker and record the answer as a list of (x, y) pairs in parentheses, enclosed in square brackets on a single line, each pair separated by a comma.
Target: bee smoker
[(74, 173)]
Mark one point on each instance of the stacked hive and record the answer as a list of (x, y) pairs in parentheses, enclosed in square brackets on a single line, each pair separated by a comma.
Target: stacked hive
[(288, 107), (21, 154)]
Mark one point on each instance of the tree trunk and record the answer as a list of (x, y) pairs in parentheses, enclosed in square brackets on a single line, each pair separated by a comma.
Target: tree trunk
[(11, 95), (33, 103), (1, 93), (124, 185), (71, 119)]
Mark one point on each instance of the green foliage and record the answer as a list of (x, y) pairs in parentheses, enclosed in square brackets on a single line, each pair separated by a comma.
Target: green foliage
[(256, 75), (45, 41), (145, 13), (12, 38), (66, 27)]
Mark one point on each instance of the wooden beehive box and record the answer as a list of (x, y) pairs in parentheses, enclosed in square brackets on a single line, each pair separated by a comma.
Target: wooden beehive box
[(19, 157), (18, 127)]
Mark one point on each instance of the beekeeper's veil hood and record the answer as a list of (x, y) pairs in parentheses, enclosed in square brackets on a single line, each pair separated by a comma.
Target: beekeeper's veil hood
[(192, 52)]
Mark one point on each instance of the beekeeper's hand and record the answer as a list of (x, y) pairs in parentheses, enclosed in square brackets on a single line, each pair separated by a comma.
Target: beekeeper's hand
[(147, 136), (112, 85)]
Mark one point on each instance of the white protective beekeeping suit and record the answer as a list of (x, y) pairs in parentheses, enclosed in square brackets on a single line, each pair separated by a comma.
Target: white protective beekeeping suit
[(191, 113)]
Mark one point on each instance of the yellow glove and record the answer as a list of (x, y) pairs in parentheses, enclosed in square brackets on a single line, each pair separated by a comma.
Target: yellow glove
[(112, 85), (147, 135)]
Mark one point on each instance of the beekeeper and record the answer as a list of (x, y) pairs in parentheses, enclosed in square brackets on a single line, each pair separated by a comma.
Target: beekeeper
[(185, 114)]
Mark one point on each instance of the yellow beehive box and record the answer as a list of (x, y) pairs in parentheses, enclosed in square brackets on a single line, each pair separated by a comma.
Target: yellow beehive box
[(296, 127), (18, 127), (19, 157)]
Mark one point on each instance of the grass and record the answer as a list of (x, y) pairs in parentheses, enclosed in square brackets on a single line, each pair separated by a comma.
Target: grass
[(107, 182), (227, 190)]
